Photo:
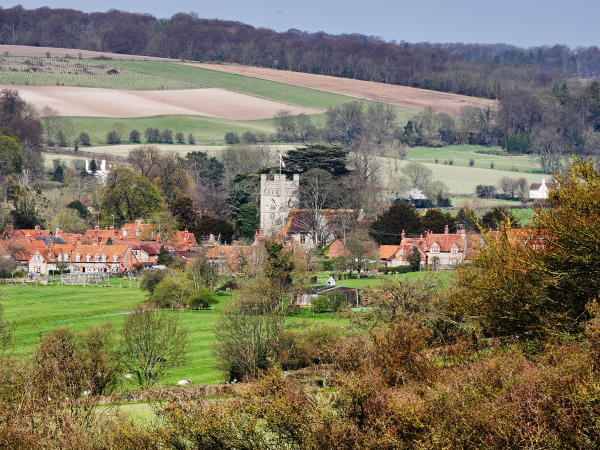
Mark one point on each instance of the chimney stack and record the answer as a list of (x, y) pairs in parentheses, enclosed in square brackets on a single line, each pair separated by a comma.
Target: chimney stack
[(446, 231), (403, 235)]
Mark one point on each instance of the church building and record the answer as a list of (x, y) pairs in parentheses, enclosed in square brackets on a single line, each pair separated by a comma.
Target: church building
[(278, 196)]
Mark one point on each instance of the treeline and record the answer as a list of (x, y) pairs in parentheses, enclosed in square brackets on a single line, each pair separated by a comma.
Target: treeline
[(489, 71)]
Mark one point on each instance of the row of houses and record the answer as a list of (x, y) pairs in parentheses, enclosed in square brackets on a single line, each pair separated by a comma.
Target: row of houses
[(109, 250)]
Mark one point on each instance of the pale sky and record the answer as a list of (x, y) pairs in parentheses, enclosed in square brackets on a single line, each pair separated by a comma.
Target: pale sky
[(519, 22)]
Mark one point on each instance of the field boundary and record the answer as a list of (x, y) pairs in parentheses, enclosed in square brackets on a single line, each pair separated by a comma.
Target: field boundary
[(408, 97)]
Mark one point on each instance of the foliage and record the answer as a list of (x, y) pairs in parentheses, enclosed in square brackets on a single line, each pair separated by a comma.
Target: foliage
[(151, 279), (128, 196), (70, 221), (414, 259), (81, 209), (386, 230), (153, 344), (59, 174), (205, 169), (216, 227), (163, 259), (330, 301), (202, 299), (332, 158), (435, 221), (135, 136), (184, 212), (11, 159), (539, 281), (247, 220), (174, 291)]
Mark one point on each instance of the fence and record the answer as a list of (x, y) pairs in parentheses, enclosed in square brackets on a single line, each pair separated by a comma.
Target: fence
[(71, 279)]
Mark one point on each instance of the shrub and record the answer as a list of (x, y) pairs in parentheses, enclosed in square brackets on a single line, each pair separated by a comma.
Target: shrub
[(232, 138), (112, 137), (451, 161), (135, 136), (191, 139), (84, 139), (151, 279), (331, 301), (202, 299), (491, 164), (166, 136), (249, 138), (471, 162)]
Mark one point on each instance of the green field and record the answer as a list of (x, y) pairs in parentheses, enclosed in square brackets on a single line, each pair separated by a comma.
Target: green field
[(29, 71), (38, 309), (204, 129), (461, 154)]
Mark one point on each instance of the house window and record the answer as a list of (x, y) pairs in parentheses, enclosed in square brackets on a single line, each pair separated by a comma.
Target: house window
[(37, 269), (221, 254), (103, 258), (137, 232), (66, 258), (88, 258), (302, 239), (454, 250), (78, 257), (96, 258), (60, 257), (116, 258), (37, 258), (435, 249)]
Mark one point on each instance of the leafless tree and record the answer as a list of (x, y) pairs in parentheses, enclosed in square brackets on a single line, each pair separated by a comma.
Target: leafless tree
[(154, 343)]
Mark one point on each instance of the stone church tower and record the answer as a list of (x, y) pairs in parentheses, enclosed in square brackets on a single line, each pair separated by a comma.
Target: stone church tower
[(278, 197)]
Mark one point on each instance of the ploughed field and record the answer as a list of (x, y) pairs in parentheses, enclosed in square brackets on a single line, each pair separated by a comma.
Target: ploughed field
[(440, 102), (118, 103)]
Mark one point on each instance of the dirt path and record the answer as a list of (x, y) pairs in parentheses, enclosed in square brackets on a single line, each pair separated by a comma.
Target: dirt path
[(96, 102), (441, 102)]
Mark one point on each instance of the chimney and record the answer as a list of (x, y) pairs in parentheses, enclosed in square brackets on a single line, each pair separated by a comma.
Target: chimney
[(138, 222), (87, 165), (56, 231), (51, 244), (403, 235), (97, 228), (103, 165), (37, 230), (261, 232), (28, 237), (111, 228), (446, 231)]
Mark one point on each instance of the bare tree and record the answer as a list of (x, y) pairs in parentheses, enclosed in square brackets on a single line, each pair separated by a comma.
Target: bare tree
[(50, 118), (153, 344), (381, 121), (318, 192), (144, 159), (417, 174)]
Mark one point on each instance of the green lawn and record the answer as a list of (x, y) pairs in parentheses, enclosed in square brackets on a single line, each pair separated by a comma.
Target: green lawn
[(38, 309), (461, 154)]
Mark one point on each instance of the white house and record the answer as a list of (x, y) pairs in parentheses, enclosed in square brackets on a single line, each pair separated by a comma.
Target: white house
[(540, 190), (101, 171)]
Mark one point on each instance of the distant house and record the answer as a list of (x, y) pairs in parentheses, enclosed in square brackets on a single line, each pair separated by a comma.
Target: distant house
[(540, 190)]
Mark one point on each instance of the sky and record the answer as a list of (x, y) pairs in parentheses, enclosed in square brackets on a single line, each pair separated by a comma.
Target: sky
[(523, 23)]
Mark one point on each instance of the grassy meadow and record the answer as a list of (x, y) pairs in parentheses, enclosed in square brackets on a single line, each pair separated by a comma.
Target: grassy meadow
[(461, 154)]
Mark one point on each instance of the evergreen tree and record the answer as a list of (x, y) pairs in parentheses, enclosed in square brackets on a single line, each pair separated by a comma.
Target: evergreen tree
[(59, 174), (93, 166), (164, 259), (387, 229), (247, 220), (332, 158)]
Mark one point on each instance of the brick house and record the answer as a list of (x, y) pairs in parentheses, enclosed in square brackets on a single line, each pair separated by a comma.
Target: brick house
[(436, 249)]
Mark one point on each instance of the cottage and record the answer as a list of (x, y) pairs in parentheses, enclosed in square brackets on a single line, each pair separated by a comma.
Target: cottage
[(540, 190)]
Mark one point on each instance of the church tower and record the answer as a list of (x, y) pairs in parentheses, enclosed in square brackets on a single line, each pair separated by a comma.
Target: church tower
[(278, 197)]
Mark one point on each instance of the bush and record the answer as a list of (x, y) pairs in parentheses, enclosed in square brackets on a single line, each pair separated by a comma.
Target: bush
[(112, 137), (18, 274), (179, 138), (471, 162), (202, 299), (151, 279), (249, 138), (491, 164), (332, 301), (397, 269), (135, 136), (84, 139), (57, 272), (232, 138), (451, 161)]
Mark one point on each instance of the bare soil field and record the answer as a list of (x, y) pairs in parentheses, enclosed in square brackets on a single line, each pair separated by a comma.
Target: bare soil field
[(421, 99), (24, 50), (115, 103)]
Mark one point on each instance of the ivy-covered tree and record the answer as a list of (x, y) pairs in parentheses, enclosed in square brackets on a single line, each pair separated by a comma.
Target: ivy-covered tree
[(11, 158), (247, 220)]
